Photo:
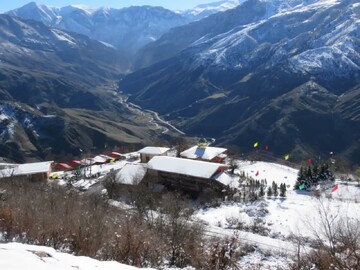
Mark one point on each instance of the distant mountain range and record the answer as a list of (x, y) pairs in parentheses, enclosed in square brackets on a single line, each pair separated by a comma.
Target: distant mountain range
[(127, 29), (286, 73), (57, 94)]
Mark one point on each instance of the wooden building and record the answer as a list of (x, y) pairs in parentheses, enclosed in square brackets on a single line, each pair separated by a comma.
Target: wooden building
[(147, 153), (38, 171), (191, 176)]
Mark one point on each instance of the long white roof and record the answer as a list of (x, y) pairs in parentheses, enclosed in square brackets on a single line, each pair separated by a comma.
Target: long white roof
[(184, 166), (207, 153), (28, 168), (151, 150)]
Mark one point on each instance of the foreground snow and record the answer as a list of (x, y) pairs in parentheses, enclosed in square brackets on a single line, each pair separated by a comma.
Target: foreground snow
[(14, 256)]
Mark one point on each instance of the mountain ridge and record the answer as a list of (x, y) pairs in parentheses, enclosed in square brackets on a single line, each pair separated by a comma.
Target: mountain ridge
[(220, 82)]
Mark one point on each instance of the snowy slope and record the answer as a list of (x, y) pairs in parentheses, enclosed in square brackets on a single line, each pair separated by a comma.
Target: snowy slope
[(314, 38), (14, 256), (297, 213)]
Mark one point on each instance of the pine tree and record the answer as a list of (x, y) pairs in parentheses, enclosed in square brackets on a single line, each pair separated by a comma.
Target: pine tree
[(269, 192), (315, 177), (283, 190), (275, 190), (261, 192), (300, 178)]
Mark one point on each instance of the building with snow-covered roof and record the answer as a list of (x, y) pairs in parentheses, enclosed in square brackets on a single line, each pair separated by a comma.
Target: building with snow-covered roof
[(131, 174), (35, 171), (184, 174), (147, 153), (206, 153)]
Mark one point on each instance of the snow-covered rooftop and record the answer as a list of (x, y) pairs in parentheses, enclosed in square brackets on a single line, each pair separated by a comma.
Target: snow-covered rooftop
[(99, 159), (28, 168), (131, 174), (227, 179), (184, 166), (207, 153), (151, 150)]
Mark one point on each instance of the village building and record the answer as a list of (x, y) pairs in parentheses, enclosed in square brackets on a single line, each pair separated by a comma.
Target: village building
[(147, 153), (131, 174), (204, 152), (74, 163), (116, 156), (62, 167), (125, 181), (38, 171), (191, 176)]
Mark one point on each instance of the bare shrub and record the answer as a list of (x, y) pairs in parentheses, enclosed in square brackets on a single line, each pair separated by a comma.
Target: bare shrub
[(50, 215), (174, 225), (235, 223), (223, 254), (337, 242), (135, 244)]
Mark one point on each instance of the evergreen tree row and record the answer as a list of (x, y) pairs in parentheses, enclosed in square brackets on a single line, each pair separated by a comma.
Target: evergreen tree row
[(313, 175), (276, 190)]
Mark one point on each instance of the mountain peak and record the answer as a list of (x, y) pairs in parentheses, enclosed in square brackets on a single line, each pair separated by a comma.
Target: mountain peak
[(85, 8)]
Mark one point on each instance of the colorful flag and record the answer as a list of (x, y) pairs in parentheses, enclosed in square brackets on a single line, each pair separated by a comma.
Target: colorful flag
[(308, 161), (302, 187), (256, 144), (257, 173), (335, 188), (287, 157), (266, 147)]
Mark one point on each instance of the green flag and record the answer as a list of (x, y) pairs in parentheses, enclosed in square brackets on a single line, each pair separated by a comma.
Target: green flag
[(302, 187)]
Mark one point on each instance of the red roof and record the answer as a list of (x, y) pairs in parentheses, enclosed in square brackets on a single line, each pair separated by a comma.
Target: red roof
[(74, 163), (62, 167), (114, 155)]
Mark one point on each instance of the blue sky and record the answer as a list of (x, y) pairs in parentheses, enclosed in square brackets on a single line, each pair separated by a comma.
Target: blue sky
[(6, 5)]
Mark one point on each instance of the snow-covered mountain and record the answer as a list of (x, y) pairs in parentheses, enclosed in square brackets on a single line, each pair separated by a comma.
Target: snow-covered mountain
[(319, 38), (57, 93), (127, 29), (259, 71), (204, 10)]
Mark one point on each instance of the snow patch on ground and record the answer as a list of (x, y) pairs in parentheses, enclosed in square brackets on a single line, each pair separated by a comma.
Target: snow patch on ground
[(14, 256)]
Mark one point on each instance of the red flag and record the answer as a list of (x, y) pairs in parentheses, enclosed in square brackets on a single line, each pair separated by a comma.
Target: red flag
[(308, 161), (266, 147), (335, 188), (257, 173)]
